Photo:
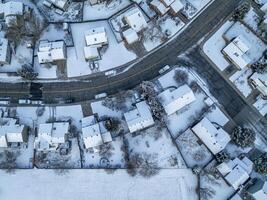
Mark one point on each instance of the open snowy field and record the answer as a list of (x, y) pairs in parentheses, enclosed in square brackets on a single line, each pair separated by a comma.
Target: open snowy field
[(97, 185)]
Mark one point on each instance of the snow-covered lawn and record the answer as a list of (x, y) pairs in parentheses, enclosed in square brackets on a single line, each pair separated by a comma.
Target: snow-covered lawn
[(35, 184), (171, 25), (214, 45), (45, 71), (219, 189), (261, 106), (216, 115), (157, 141), (115, 55), (22, 55), (240, 79), (252, 19), (103, 11), (192, 7), (193, 153), (23, 154), (112, 158)]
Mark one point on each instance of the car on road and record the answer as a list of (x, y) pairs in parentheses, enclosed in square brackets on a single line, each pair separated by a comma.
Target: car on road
[(101, 95), (164, 69)]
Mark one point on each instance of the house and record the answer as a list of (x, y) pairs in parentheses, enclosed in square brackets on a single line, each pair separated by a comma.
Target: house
[(5, 52), (258, 190), (175, 7), (94, 133), (94, 2), (259, 82), (51, 52), (236, 52), (214, 138), (139, 118), (159, 7), (51, 135), (96, 36), (236, 171), (175, 99), (130, 36), (135, 19), (10, 11), (61, 4), (12, 133)]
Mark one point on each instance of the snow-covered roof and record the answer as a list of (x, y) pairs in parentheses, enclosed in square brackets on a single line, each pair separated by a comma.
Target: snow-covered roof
[(135, 19), (62, 4), (214, 138), (53, 133), (139, 118), (159, 6), (130, 36), (174, 100), (94, 133), (4, 50), (260, 82), (12, 8), (167, 2), (176, 6), (91, 52), (236, 52), (14, 133), (3, 140), (236, 172), (96, 36), (51, 51)]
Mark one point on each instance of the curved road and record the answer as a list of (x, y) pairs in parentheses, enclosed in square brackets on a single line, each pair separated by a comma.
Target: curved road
[(146, 69)]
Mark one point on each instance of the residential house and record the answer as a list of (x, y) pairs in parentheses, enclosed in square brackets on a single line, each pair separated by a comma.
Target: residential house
[(11, 11), (215, 138), (135, 19), (236, 171), (94, 133), (258, 190), (159, 7), (236, 52), (94, 2), (5, 52), (61, 4), (95, 38), (259, 82), (176, 99), (51, 52), (139, 118), (51, 135), (12, 133)]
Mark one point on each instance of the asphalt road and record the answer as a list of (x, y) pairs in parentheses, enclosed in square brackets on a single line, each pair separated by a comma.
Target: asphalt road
[(146, 69)]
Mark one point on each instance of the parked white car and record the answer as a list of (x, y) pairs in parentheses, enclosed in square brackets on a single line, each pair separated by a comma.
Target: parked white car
[(164, 69)]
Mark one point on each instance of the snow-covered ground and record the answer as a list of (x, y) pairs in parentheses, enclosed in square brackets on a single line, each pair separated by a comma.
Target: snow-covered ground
[(218, 188), (192, 7), (158, 142), (252, 19), (35, 184), (214, 45), (240, 79), (261, 106), (103, 11), (193, 153), (115, 55)]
